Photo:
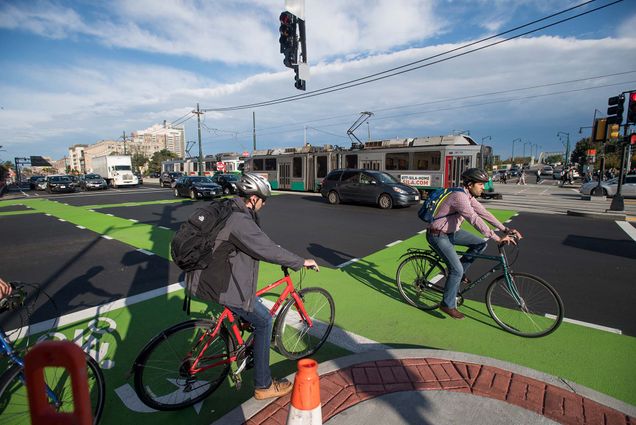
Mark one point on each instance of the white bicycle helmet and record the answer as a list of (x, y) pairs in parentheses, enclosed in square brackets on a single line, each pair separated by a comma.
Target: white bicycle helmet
[(253, 184)]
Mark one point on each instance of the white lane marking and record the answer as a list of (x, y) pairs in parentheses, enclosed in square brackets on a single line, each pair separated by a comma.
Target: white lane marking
[(80, 227), (61, 219), (162, 227), (106, 237), (143, 251), (133, 220), (345, 264), (91, 312), (628, 228), (110, 215), (421, 231), (47, 214), (393, 243), (589, 325)]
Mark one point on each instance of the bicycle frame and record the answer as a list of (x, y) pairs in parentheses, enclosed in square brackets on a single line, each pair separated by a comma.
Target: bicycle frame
[(228, 316)]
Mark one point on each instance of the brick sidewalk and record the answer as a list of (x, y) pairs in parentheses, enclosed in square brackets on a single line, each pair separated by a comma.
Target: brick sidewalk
[(344, 388)]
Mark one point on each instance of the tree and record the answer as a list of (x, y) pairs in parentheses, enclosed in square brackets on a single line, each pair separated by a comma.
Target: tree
[(158, 157), (139, 160)]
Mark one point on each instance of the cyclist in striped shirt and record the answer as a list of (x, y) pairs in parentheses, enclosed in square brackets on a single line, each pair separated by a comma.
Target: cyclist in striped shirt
[(444, 233)]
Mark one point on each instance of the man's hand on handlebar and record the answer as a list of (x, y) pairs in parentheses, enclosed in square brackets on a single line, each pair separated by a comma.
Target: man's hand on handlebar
[(508, 239), (514, 233), (5, 289), (310, 263)]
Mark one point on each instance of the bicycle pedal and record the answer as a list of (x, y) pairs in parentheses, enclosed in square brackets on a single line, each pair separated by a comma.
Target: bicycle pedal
[(236, 378)]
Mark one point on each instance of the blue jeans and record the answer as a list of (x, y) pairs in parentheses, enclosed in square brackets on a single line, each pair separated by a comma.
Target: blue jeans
[(261, 321), (444, 245)]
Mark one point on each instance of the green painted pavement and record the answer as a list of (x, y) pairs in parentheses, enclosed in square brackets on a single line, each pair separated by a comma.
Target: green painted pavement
[(367, 304)]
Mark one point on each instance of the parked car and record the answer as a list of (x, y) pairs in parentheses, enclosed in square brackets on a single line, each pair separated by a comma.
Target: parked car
[(196, 187), (609, 187), (367, 186), (93, 182), (60, 184), (154, 175), (547, 170), (514, 172), (140, 178), (227, 182), (33, 181), (168, 179)]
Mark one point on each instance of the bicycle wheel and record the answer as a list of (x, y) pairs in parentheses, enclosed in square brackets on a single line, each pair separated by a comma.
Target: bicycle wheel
[(420, 280), (293, 337), (528, 306), (163, 376), (14, 405)]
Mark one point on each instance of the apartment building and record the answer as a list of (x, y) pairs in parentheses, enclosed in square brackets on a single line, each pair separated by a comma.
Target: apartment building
[(159, 137), (75, 158)]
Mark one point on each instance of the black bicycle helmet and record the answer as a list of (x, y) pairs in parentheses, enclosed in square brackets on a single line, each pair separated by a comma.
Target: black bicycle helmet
[(475, 175), (253, 184)]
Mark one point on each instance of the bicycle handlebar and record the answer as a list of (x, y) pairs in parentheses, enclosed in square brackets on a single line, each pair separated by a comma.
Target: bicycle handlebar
[(15, 299)]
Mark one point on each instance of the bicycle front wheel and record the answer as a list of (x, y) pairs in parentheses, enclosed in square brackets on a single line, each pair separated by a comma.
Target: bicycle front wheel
[(526, 305), (420, 280), (14, 404), (293, 336), (165, 378)]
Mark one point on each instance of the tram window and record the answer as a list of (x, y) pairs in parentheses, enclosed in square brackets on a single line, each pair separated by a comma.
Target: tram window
[(195, 167), (427, 160), (257, 164), (297, 166), (270, 164), (397, 161), (321, 166), (351, 161)]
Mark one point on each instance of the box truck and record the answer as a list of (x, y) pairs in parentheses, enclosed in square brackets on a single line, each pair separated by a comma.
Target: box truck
[(115, 169)]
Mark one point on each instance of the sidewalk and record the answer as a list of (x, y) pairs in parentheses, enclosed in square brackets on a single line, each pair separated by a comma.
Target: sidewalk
[(441, 387)]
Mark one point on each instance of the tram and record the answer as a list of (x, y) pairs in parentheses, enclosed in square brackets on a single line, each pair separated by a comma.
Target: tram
[(425, 163), (232, 163)]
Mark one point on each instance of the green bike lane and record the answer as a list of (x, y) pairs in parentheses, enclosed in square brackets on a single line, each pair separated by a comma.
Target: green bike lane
[(367, 304)]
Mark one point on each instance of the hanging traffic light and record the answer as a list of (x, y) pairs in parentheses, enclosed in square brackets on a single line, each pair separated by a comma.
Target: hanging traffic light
[(615, 110), (599, 130), (288, 40), (631, 108), (614, 131)]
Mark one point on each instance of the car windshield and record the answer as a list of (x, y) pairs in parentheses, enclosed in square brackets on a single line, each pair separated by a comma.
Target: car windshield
[(92, 176), (60, 179), (200, 180), (384, 178)]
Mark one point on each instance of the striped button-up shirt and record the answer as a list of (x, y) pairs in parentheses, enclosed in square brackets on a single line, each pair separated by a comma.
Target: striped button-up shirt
[(460, 206)]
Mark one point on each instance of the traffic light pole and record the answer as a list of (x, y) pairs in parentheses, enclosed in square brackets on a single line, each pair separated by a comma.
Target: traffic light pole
[(618, 203)]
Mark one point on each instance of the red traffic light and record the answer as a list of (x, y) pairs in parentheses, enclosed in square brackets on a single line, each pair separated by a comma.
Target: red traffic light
[(631, 108), (632, 96), (632, 139)]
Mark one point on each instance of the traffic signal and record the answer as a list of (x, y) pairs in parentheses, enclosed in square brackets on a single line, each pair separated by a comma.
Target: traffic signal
[(288, 40), (615, 110), (614, 131), (631, 139), (631, 108), (599, 130)]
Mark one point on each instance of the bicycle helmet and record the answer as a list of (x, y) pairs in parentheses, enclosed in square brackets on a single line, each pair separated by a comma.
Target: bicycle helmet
[(253, 184), (475, 175)]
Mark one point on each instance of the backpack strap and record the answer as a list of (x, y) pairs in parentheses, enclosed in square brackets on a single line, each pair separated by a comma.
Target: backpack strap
[(442, 198)]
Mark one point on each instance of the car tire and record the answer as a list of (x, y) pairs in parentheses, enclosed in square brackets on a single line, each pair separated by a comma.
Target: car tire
[(193, 196), (176, 193), (226, 191), (333, 198), (385, 201)]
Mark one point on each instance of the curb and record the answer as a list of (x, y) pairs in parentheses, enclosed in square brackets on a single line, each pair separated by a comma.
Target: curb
[(252, 407), (598, 215)]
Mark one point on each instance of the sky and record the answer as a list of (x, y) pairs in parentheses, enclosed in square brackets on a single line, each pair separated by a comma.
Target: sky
[(76, 72)]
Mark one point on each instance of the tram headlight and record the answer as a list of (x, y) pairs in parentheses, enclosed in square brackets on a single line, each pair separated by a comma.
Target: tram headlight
[(399, 190)]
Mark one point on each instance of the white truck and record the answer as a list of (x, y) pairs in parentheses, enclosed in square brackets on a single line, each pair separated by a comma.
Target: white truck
[(115, 169)]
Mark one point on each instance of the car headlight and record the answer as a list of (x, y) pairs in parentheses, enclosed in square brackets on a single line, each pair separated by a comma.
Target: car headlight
[(399, 190)]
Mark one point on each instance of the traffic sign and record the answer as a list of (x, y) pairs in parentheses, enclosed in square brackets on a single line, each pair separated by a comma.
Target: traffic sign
[(220, 166)]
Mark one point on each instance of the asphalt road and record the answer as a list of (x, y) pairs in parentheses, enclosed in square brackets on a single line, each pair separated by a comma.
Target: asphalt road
[(589, 262)]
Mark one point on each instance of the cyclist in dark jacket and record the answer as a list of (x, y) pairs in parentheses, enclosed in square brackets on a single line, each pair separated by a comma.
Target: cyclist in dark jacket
[(232, 275)]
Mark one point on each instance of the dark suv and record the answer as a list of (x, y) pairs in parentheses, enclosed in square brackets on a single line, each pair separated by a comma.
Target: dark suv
[(167, 179), (369, 187)]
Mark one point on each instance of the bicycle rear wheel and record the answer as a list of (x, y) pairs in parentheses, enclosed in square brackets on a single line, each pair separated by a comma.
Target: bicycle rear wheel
[(293, 337), (163, 376), (527, 306), (14, 405), (420, 280)]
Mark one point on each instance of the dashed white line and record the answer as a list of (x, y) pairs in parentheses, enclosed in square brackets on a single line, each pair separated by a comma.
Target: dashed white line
[(106, 237), (61, 219), (345, 264), (110, 215), (588, 325), (393, 243), (81, 227), (421, 231), (133, 220), (143, 251), (162, 227), (628, 228)]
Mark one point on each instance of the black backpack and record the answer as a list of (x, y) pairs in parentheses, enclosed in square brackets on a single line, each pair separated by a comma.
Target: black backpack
[(194, 241)]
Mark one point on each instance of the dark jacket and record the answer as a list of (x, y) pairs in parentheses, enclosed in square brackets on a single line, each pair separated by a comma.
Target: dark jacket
[(232, 274)]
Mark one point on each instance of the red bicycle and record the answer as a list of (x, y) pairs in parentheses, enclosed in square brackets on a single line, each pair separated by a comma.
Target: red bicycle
[(187, 362)]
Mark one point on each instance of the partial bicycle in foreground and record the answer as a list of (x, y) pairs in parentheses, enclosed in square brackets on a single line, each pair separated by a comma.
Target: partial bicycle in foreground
[(187, 362), (520, 303)]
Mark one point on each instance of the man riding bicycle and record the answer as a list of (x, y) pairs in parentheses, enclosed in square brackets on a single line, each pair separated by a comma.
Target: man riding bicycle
[(444, 233), (232, 275)]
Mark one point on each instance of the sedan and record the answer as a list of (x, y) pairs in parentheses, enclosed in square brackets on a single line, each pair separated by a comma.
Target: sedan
[(60, 184), (196, 187), (227, 182), (609, 187), (93, 182)]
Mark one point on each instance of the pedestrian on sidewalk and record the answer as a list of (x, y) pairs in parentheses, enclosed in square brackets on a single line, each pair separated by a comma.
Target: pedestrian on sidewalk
[(538, 175), (522, 179)]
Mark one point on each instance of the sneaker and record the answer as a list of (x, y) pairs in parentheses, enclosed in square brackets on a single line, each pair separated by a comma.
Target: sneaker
[(278, 388), (452, 312)]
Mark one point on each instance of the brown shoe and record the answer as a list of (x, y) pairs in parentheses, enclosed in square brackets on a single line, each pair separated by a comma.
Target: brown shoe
[(452, 312), (277, 389)]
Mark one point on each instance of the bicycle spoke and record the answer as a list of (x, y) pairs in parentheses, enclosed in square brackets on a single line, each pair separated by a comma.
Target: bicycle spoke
[(420, 280)]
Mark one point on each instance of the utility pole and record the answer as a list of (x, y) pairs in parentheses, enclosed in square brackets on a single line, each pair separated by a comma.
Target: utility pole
[(253, 130), (198, 112), (124, 137)]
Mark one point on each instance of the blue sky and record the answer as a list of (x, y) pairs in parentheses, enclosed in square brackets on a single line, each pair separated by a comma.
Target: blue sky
[(82, 71)]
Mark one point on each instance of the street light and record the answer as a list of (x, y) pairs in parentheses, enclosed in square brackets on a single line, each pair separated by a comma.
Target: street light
[(481, 150), (524, 149), (513, 149), (567, 146)]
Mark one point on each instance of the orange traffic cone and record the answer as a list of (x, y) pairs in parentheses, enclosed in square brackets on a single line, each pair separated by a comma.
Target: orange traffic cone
[(305, 401), (57, 354)]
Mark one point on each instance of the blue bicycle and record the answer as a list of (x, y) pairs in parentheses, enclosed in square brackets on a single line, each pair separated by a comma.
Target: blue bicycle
[(520, 303), (14, 405)]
